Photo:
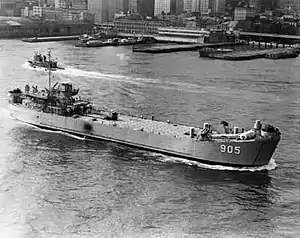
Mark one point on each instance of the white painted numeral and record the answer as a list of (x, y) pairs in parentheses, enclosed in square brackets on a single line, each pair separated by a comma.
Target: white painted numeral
[(223, 148), (237, 150), (230, 149)]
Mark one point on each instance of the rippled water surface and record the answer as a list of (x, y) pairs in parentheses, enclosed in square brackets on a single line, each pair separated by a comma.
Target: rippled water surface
[(55, 185)]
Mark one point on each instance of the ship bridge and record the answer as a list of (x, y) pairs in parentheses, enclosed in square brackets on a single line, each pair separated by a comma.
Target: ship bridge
[(66, 88)]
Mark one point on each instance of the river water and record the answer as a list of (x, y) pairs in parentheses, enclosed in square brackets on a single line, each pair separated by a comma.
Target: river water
[(56, 185)]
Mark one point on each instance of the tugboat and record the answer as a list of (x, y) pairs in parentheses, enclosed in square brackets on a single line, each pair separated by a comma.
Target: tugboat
[(59, 108), (41, 61)]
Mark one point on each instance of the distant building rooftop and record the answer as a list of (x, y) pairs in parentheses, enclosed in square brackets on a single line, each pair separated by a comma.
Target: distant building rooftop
[(19, 21), (15, 21)]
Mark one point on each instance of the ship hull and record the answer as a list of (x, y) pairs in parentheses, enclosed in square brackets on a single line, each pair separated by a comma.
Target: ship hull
[(229, 153), (42, 65)]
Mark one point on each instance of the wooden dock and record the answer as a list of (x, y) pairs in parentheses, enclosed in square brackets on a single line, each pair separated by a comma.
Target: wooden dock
[(182, 47)]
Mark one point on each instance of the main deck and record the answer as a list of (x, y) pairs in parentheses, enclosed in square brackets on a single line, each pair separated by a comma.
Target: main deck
[(146, 125)]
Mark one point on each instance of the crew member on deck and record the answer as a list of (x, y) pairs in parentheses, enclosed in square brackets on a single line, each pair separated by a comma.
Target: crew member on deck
[(225, 126), (206, 132), (27, 88)]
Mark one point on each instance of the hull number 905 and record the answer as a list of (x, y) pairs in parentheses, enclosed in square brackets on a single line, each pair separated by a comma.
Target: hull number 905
[(230, 149)]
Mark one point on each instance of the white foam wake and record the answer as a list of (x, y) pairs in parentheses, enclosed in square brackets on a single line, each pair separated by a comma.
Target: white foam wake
[(4, 113), (272, 164), (73, 72)]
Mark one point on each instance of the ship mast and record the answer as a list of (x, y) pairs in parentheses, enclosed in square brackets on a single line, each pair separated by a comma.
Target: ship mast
[(49, 69)]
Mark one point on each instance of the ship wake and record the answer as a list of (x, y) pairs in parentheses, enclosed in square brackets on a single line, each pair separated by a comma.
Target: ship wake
[(73, 72), (168, 159)]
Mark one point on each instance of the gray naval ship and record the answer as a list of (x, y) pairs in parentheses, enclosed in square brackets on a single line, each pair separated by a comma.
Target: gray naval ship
[(59, 108)]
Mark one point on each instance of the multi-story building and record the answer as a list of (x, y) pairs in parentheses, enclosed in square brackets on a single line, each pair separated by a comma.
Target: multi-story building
[(138, 27), (7, 7), (96, 7), (110, 10), (105, 10), (37, 11), (232, 4), (217, 6), (176, 6), (79, 4), (204, 6), (254, 3), (196, 5), (179, 6), (144, 7), (183, 34), (18, 6), (240, 13), (67, 15), (161, 6), (113, 7), (25, 12), (261, 5), (125, 5), (133, 5), (48, 13), (62, 3), (290, 5), (42, 3), (120, 5), (47, 3), (187, 5)]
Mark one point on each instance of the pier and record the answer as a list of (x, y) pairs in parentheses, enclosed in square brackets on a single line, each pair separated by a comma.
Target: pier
[(185, 47), (47, 39), (265, 37)]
